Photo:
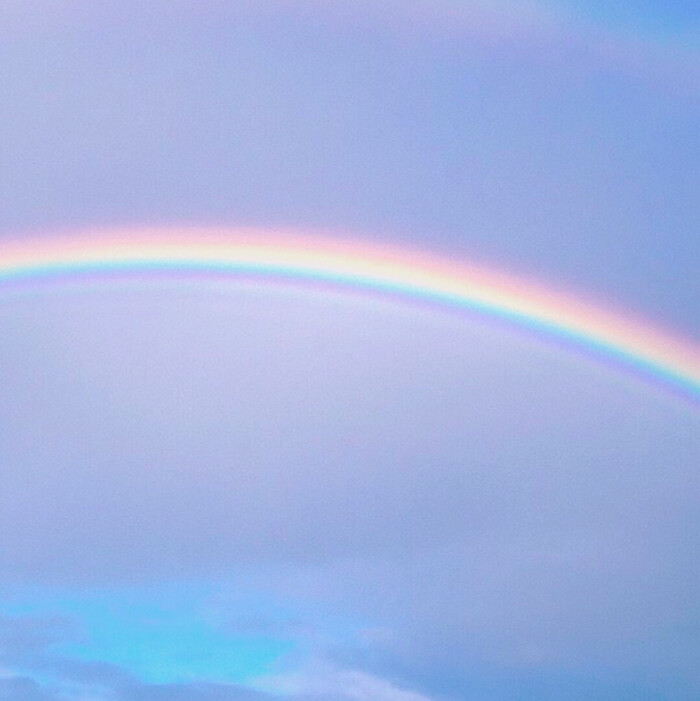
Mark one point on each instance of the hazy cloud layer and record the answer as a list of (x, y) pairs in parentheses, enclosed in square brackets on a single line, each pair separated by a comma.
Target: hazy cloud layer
[(398, 478), (427, 506), (556, 152)]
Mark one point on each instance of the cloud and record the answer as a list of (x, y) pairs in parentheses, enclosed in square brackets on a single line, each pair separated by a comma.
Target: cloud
[(492, 513), (323, 681), (26, 644), (384, 493), (16, 688), (27, 689), (32, 670), (237, 113)]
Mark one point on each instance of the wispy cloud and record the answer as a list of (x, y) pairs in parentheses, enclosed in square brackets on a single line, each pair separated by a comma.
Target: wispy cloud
[(324, 681), (33, 670)]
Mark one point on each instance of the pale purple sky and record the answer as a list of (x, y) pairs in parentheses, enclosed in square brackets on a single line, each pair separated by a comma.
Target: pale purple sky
[(231, 492)]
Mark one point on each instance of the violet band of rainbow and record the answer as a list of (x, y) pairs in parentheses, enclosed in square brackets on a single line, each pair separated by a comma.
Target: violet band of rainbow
[(296, 258)]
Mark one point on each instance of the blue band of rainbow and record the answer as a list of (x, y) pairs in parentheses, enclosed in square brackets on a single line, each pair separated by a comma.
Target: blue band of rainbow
[(631, 344)]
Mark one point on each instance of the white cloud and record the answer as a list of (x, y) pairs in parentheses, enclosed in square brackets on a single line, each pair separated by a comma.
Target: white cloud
[(326, 681)]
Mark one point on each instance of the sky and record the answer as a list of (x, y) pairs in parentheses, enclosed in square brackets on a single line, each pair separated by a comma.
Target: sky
[(251, 490)]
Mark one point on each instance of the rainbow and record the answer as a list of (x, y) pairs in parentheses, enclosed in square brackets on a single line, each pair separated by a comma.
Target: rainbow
[(287, 256)]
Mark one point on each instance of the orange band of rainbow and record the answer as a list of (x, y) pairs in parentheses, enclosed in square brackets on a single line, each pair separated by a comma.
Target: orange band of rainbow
[(296, 258)]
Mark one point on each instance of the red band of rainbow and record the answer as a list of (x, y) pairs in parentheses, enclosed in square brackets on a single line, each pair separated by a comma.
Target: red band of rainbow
[(291, 257)]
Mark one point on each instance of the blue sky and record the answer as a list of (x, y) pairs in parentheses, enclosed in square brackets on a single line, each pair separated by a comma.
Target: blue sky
[(229, 492), (651, 17)]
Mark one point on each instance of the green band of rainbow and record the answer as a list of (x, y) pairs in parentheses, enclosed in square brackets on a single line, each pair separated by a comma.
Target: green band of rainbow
[(418, 276)]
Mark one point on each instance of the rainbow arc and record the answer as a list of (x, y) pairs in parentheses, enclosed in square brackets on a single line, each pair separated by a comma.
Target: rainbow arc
[(638, 346)]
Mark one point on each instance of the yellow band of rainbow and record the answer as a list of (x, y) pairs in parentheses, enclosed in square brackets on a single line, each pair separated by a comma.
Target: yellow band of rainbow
[(293, 257)]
